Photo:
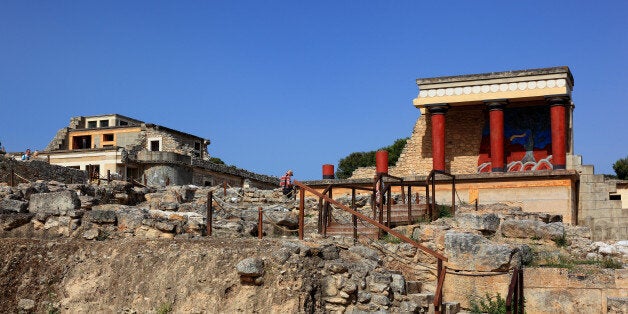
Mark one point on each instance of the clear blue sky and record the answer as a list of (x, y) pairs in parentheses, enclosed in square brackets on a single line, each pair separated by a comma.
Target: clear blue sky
[(296, 84)]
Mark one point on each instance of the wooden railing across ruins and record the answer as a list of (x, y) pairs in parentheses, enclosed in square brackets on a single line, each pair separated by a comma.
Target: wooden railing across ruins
[(441, 269)]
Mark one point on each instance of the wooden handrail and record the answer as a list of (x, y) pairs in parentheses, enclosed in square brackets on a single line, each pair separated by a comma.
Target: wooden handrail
[(432, 178), (373, 222), (515, 292)]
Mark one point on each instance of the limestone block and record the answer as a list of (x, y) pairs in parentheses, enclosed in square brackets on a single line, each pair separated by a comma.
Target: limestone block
[(100, 216), (561, 300), (13, 205), (482, 222), (12, 221), (54, 203), (130, 219), (473, 252), (617, 305)]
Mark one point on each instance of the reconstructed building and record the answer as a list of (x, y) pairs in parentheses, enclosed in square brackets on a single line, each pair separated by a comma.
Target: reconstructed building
[(128, 148), (508, 137)]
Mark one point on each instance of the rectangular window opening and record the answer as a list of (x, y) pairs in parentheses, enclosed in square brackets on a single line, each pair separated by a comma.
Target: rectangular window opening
[(154, 146), (104, 123), (107, 137)]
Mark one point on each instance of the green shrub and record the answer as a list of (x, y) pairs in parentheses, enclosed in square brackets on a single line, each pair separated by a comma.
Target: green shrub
[(444, 211), (164, 308), (391, 239), (608, 262), (488, 304), (561, 242)]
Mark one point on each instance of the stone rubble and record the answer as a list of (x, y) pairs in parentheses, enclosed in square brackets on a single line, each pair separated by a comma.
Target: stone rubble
[(353, 277)]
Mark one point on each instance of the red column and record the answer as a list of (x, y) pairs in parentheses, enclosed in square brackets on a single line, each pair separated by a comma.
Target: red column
[(381, 162), (496, 117), (438, 136), (328, 171), (557, 116)]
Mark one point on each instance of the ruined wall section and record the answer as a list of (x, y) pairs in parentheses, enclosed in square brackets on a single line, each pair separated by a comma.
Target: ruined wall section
[(175, 142), (34, 170), (462, 146)]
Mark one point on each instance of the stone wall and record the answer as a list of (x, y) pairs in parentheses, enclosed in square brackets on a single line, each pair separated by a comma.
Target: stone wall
[(214, 174), (167, 174), (462, 145), (34, 170), (606, 218), (174, 141)]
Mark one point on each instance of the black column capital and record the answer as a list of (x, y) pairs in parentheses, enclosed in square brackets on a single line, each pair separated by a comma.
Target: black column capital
[(437, 108), (496, 104), (557, 100)]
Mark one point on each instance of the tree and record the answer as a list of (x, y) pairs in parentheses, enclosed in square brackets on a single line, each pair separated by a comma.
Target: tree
[(216, 160), (347, 165), (621, 168)]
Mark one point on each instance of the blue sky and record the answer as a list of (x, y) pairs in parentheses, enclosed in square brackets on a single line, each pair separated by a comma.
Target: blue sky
[(297, 84)]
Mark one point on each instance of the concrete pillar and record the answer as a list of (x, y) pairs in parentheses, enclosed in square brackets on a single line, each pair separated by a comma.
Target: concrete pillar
[(557, 118), (496, 117), (437, 113)]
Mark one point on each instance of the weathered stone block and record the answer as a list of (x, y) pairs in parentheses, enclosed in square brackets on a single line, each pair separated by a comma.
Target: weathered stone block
[(54, 203), (474, 252), (13, 205), (12, 221), (484, 222), (100, 216)]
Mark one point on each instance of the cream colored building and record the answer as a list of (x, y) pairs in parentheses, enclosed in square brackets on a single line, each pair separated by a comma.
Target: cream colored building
[(117, 146)]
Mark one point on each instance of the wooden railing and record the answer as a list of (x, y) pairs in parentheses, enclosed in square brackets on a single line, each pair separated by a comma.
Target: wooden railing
[(514, 299), (431, 180), (441, 270)]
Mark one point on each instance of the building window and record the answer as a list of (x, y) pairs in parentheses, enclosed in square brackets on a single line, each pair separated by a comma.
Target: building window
[(154, 146), (91, 124), (123, 122), (615, 197), (107, 137), (104, 123), (197, 146), (81, 142)]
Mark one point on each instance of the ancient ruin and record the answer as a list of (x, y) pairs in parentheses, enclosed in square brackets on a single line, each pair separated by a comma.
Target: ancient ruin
[(459, 224)]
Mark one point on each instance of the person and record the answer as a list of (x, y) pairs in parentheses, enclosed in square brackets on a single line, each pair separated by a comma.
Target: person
[(27, 154), (285, 182), (380, 191)]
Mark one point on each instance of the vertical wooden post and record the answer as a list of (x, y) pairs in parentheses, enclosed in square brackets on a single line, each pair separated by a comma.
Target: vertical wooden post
[(224, 188), (409, 203), (355, 218), (210, 212), (453, 196), (260, 227), (320, 216), (301, 213), (388, 205), (108, 176)]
